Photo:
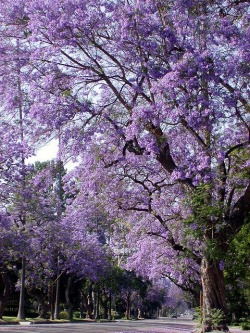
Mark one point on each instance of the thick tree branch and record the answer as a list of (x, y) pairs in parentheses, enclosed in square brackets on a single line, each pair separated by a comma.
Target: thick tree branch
[(189, 286), (243, 101), (240, 145), (194, 133)]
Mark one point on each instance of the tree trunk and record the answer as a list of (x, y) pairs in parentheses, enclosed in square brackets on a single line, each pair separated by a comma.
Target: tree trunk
[(51, 300), (68, 305), (110, 306), (97, 304), (90, 302), (43, 310), (43, 307), (82, 305), (128, 309), (57, 301), (21, 310), (139, 313), (5, 291), (214, 299), (1, 308), (105, 307)]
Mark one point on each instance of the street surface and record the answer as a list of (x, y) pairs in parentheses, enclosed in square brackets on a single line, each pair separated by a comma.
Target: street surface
[(146, 326)]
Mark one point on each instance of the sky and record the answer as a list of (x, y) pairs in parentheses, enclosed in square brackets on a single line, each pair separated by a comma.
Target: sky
[(47, 153)]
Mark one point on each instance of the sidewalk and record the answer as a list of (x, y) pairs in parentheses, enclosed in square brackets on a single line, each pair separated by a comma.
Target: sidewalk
[(234, 329)]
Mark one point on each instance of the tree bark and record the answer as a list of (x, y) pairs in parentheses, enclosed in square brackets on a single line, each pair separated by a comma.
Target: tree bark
[(213, 288), (82, 307), (68, 305), (52, 300), (57, 301), (105, 308), (128, 308), (21, 309), (97, 304), (89, 304), (110, 306), (4, 291)]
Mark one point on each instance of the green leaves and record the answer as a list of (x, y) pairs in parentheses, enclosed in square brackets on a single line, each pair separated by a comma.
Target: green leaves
[(205, 216), (237, 274)]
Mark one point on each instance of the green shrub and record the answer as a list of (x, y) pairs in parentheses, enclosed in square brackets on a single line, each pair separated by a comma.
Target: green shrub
[(245, 325), (77, 314), (217, 317), (197, 314), (64, 315)]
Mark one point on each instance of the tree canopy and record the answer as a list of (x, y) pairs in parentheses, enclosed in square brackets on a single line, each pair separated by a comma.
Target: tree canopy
[(151, 97)]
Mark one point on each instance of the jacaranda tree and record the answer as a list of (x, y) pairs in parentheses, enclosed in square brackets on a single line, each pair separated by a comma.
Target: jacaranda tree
[(153, 96)]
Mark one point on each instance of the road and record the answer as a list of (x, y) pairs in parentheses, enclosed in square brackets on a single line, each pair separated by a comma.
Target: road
[(146, 326)]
